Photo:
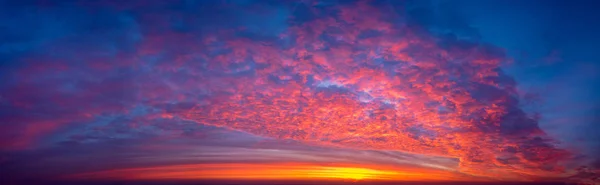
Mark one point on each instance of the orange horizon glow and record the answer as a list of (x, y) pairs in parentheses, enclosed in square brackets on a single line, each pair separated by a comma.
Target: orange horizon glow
[(277, 171)]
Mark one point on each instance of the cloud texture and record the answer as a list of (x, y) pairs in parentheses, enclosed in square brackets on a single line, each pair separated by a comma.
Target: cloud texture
[(348, 75)]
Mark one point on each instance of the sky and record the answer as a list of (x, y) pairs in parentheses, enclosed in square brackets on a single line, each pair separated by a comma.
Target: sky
[(415, 90)]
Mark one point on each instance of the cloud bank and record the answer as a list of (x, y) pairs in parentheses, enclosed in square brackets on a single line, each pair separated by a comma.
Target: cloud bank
[(352, 75)]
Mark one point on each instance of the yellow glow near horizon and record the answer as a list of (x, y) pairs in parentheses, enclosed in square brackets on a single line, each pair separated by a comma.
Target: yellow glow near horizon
[(285, 171), (348, 173)]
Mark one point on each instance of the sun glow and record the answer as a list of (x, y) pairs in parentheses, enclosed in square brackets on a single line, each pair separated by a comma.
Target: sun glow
[(287, 171), (349, 173)]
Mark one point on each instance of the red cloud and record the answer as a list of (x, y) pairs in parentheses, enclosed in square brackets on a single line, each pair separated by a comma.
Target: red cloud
[(419, 94), (354, 79)]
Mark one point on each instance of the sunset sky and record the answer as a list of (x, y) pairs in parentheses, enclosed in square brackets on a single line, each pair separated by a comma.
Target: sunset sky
[(391, 90)]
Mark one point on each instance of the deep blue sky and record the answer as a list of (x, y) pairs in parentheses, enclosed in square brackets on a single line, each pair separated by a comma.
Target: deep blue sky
[(553, 45)]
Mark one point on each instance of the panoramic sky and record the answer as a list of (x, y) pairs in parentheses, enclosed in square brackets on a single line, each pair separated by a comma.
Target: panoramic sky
[(417, 90)]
